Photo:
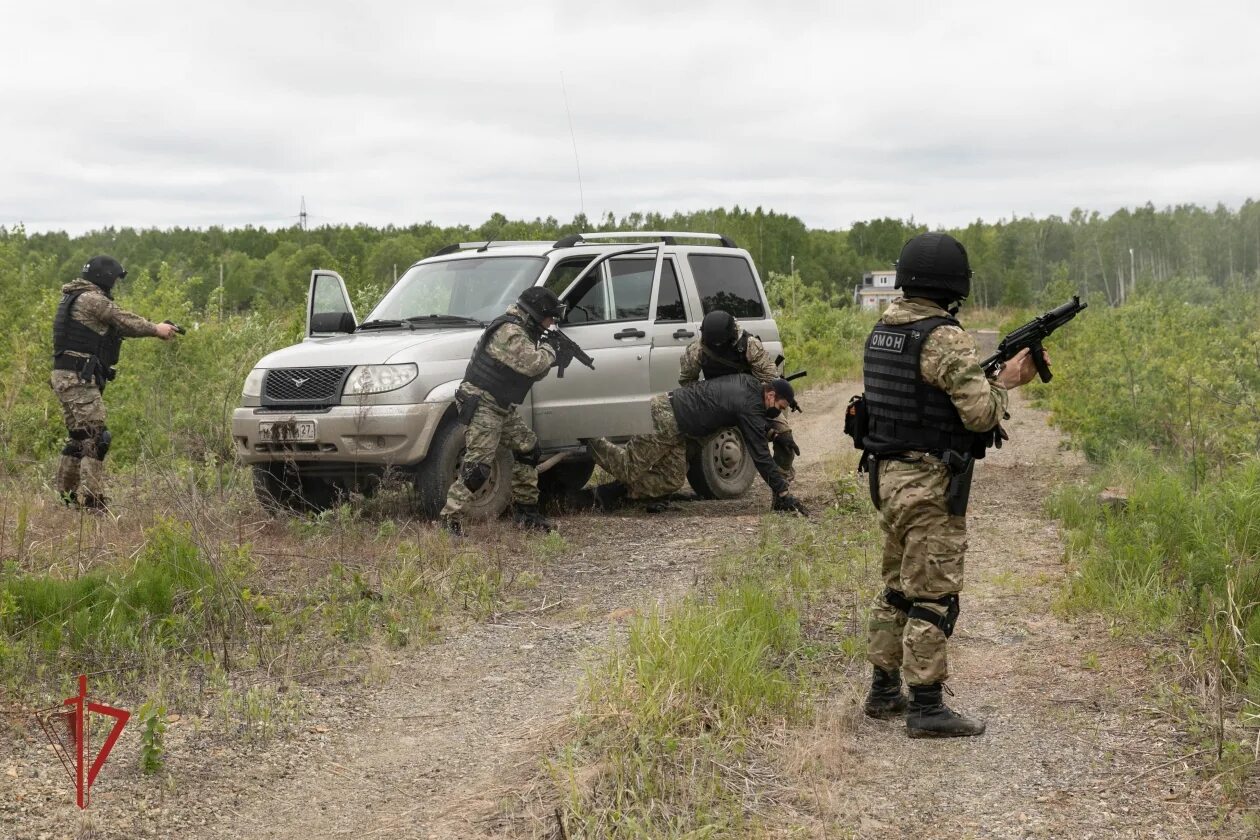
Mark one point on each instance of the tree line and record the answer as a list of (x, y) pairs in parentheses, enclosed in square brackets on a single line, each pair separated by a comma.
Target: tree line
[(1015, 260)]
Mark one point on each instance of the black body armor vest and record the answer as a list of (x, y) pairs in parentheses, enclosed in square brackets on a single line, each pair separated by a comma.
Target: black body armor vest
[(906, 413), (77, 337), (507, 386), (731, 359)]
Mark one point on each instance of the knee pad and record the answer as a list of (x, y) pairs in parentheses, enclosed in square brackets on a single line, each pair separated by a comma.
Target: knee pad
[(103, 440), (944, 622), (531, 457), (475, 476), (897, 599), (73, 448)]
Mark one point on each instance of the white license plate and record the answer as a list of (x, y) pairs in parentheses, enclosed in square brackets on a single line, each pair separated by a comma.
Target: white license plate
[(285, 431)]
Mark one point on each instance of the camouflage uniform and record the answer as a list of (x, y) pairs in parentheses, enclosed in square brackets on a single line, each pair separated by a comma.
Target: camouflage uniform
[(923, 544), (81, 462), (493, 425), (761, 366), (651, 466)]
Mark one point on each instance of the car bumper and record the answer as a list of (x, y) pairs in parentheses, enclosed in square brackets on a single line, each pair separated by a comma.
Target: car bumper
[(386, 435)]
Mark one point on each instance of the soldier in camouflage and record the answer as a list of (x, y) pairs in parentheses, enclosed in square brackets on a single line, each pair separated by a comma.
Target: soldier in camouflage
[(510, 357), (88, 330), (932, 411), (724, 348)]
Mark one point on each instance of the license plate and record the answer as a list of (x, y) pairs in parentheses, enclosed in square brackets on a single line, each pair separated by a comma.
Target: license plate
[(285, 431)]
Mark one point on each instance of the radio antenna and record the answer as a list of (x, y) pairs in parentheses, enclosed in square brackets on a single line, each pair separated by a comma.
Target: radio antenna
[(581, 194)]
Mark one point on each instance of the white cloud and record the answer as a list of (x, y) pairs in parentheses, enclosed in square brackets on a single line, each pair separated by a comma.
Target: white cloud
[(149, 114)]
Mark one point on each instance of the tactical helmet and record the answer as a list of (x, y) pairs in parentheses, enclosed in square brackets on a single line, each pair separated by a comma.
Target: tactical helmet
[(103, 271), (541, 303), (718, 329), (934, 265)]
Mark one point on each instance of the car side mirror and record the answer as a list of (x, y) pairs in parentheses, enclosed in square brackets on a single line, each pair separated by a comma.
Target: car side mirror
[(331, 322)]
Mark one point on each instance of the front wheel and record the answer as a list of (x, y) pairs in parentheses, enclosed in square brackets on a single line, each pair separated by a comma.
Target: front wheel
[(719, 467), (441, 467)]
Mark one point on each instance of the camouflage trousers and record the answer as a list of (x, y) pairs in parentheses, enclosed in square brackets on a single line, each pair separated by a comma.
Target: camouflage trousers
[(649, 465), (783, 457), (923, 558), (493, 426), (84, 414)]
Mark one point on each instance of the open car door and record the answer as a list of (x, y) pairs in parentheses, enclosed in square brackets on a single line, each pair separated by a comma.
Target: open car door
[(328, 307)]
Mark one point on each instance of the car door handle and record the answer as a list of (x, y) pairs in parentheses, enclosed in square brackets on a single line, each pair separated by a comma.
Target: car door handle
[(684, 334), (629, 332)]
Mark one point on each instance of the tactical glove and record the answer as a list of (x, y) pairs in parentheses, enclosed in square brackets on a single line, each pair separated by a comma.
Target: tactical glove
[(787, 503)]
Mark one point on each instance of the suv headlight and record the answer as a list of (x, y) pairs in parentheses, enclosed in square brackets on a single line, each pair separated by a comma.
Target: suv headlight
[(253, 386), (377, 379)]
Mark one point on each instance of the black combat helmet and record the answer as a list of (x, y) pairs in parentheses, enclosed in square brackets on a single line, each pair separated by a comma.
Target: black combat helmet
[(934, 266), (103, 271), (718, 329), (540, 303)]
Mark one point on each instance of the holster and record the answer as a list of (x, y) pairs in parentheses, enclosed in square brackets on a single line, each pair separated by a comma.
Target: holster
[(960, 468), (466, 406)]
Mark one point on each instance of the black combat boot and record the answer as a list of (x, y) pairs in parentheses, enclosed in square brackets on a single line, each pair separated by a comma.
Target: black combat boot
[(611, 495), (885, 699), (530, 518), (929, 717), (452, 526)]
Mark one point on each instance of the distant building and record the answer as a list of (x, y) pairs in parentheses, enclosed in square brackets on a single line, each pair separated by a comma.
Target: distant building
[(876, 291)]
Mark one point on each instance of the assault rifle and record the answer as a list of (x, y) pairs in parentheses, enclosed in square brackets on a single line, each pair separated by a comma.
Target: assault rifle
[(566, 351), (1031, 335)]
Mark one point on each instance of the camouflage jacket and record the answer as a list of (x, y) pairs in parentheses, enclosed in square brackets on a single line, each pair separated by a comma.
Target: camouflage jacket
[(950, 361), (762, 366), (99, 313), (512, 346)]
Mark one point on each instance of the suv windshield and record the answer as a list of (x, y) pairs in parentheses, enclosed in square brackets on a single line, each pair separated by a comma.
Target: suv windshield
[(478, 289)]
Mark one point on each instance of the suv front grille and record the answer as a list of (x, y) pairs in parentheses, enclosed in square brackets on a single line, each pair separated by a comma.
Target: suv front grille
[(304, 386)]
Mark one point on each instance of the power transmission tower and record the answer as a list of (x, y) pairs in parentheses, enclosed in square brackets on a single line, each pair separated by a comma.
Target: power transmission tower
[(302, 214)]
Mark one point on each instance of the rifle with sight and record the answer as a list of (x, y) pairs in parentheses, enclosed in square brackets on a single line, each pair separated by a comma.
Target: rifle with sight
[(1031, 335), (566, 351)]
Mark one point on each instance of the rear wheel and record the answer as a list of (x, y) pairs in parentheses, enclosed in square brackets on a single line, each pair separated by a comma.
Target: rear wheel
[(281, 488), (719, 467), (441, 467)]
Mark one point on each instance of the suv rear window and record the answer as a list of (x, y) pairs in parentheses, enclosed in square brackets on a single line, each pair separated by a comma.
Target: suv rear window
[(726, 283)]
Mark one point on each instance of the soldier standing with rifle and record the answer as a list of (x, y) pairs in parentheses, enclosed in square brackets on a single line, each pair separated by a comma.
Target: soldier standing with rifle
[(88, 331), (723, 349), (932, 411), (511, 356)]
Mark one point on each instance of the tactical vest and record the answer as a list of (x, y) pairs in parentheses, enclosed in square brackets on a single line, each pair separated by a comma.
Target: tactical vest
[(75, 336), (731, 359), (906, 413), (507, 386)]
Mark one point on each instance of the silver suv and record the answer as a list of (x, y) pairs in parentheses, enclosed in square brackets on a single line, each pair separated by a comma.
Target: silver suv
[(356, 399)]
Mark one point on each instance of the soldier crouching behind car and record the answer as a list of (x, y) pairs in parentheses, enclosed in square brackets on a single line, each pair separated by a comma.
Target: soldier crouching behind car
[(724, 349), (507, 361), (655, 465), (88, 330)]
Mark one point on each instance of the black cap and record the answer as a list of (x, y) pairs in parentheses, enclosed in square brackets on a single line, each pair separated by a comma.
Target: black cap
[(540, 303), (103, 271), (783, 391)]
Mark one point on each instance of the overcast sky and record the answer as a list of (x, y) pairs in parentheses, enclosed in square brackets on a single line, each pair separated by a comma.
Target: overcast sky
[(158, 114)]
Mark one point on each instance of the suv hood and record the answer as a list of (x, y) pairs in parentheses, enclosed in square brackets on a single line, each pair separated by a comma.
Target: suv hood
[(376, 348)]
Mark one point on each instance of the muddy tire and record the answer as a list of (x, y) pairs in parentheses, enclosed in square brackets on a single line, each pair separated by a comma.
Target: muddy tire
[(719, 467), (441, 467)]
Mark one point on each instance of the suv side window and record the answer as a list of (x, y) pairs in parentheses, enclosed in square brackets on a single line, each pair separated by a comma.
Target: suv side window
[(565, 273), (726, 283), (669, 304), (632, 288)]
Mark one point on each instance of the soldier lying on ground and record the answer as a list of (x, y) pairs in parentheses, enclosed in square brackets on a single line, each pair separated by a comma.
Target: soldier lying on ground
[(655, 466), (88, 331)]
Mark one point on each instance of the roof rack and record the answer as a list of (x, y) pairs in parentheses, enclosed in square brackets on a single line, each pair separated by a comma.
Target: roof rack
[(668, 237), (483, 246)]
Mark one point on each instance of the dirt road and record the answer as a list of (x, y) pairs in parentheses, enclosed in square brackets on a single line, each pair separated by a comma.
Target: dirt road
[(443, 748)]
